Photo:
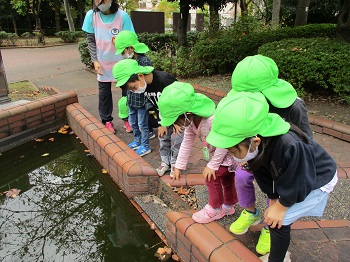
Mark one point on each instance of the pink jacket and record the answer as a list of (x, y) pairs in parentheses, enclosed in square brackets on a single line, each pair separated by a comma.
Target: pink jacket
[(218, 156)]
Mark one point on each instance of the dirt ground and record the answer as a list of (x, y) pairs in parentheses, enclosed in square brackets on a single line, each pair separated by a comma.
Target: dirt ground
[(320, 104)]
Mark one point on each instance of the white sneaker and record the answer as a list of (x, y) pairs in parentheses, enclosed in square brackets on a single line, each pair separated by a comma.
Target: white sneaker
[(162, 169), (287, 258), (172, 169)]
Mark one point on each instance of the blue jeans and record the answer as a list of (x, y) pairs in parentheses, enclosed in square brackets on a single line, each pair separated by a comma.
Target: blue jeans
[(138, 119), (105, 102)]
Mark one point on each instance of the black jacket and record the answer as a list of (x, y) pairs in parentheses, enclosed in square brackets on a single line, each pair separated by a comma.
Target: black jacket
[(292, 169)]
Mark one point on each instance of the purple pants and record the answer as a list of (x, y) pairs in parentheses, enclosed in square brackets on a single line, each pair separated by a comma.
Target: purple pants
[(222, 190), (245, 188)]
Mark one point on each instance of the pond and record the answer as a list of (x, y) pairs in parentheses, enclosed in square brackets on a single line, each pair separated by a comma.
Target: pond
[(67, 208)]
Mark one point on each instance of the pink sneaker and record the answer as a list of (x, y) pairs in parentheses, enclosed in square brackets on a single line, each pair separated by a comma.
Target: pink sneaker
[(127, 127), (110, 127), (228, 211), (207, 214)]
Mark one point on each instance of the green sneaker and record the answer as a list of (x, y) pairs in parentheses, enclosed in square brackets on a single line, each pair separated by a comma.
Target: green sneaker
[(264, 245), (245, 220)]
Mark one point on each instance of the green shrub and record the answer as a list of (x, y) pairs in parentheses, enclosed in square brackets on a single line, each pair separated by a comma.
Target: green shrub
[(67, 36), (222, 53), (84, 54), (184, 65), (8, 38), (161, 60), (313, 63)]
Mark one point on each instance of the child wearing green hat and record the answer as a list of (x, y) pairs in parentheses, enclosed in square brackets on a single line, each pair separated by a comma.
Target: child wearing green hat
[(129, 75), (294, 171), (179, 105), (260, 74), (125, 42)]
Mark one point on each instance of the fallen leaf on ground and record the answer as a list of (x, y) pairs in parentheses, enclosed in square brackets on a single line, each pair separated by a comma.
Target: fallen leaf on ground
[(146, 199), (153, 226), (104, 171), (46, 154)]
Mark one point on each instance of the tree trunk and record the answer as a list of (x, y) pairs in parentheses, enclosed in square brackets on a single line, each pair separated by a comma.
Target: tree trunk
[(56, 8), (276, 13), (29, 18), (302, 13), (244, 7), (214, 18), (69, 16), (182, 29), (14, 25), (343, 23)]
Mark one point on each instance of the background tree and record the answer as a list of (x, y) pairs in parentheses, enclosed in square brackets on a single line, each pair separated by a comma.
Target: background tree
[(302, 13), (69, 16)]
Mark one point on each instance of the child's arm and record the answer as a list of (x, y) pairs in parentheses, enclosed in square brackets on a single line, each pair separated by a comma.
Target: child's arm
[(185, 149), (217, 158)]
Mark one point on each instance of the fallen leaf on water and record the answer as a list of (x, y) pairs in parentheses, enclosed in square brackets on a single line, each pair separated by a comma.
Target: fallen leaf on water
[(163, 253), (175, 257), (12, 192), (104, 171), (153, 226), (39, 140), (46, 154), (87, 151), (51, 139)]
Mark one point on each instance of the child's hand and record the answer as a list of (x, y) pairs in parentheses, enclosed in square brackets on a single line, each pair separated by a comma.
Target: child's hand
[(177, 173), (177, 129), (274, 214), (98, 68), (208, 173), (162, 130)]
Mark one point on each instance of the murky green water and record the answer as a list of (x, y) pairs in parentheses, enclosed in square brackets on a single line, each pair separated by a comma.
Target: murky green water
[(67, 209)]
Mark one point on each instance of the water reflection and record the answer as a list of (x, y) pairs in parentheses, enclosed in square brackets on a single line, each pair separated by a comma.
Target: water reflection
[(64, 212)]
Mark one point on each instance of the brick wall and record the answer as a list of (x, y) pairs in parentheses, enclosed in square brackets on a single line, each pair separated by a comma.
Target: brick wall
[(127, 169)]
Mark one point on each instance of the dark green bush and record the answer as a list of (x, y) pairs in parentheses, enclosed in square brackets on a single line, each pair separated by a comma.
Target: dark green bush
[(8, 38), (222, 53), (313, 63), (68, 37), (84, 54)]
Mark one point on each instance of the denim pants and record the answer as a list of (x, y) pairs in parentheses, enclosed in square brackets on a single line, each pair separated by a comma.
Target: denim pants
[(245, 188), (138, 118), (222, 189), (169, 146), (105, 102)]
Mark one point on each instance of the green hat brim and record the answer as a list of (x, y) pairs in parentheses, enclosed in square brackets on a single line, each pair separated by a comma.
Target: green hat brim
[(123, 109), (168, 121), (281, 94), (139, 48), (145, 70)]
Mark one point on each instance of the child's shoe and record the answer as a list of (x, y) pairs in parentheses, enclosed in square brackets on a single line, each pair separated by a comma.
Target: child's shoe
[(110, 127), (228, 211), (127, 127), (134, 145), (143, 151), (162, 169), (286, 258), (264, 245), (152, 135), (245, 220), (172, 169), (207, 214)]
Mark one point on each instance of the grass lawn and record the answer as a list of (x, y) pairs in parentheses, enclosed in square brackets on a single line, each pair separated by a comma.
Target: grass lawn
[(24, 90)]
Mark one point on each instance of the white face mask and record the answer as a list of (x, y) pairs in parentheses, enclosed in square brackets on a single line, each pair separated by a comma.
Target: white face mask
[(104, 7), (128, 56), (141, 89), (249, 155)]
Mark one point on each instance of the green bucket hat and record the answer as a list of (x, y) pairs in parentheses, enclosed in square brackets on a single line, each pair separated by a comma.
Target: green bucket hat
[(125, 68), (123, 109), (244, 115), (260, 74), (179, 98), (127, 38)]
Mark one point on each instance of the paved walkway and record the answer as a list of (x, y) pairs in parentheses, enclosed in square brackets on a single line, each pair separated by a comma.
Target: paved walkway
[(60, 67)]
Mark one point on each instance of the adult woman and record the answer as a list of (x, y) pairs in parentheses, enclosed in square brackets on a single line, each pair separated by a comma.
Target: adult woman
[(102, 24), (294, 171)]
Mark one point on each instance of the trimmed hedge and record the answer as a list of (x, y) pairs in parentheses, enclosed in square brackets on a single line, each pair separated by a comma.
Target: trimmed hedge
[(222, 53), (313, 63)]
